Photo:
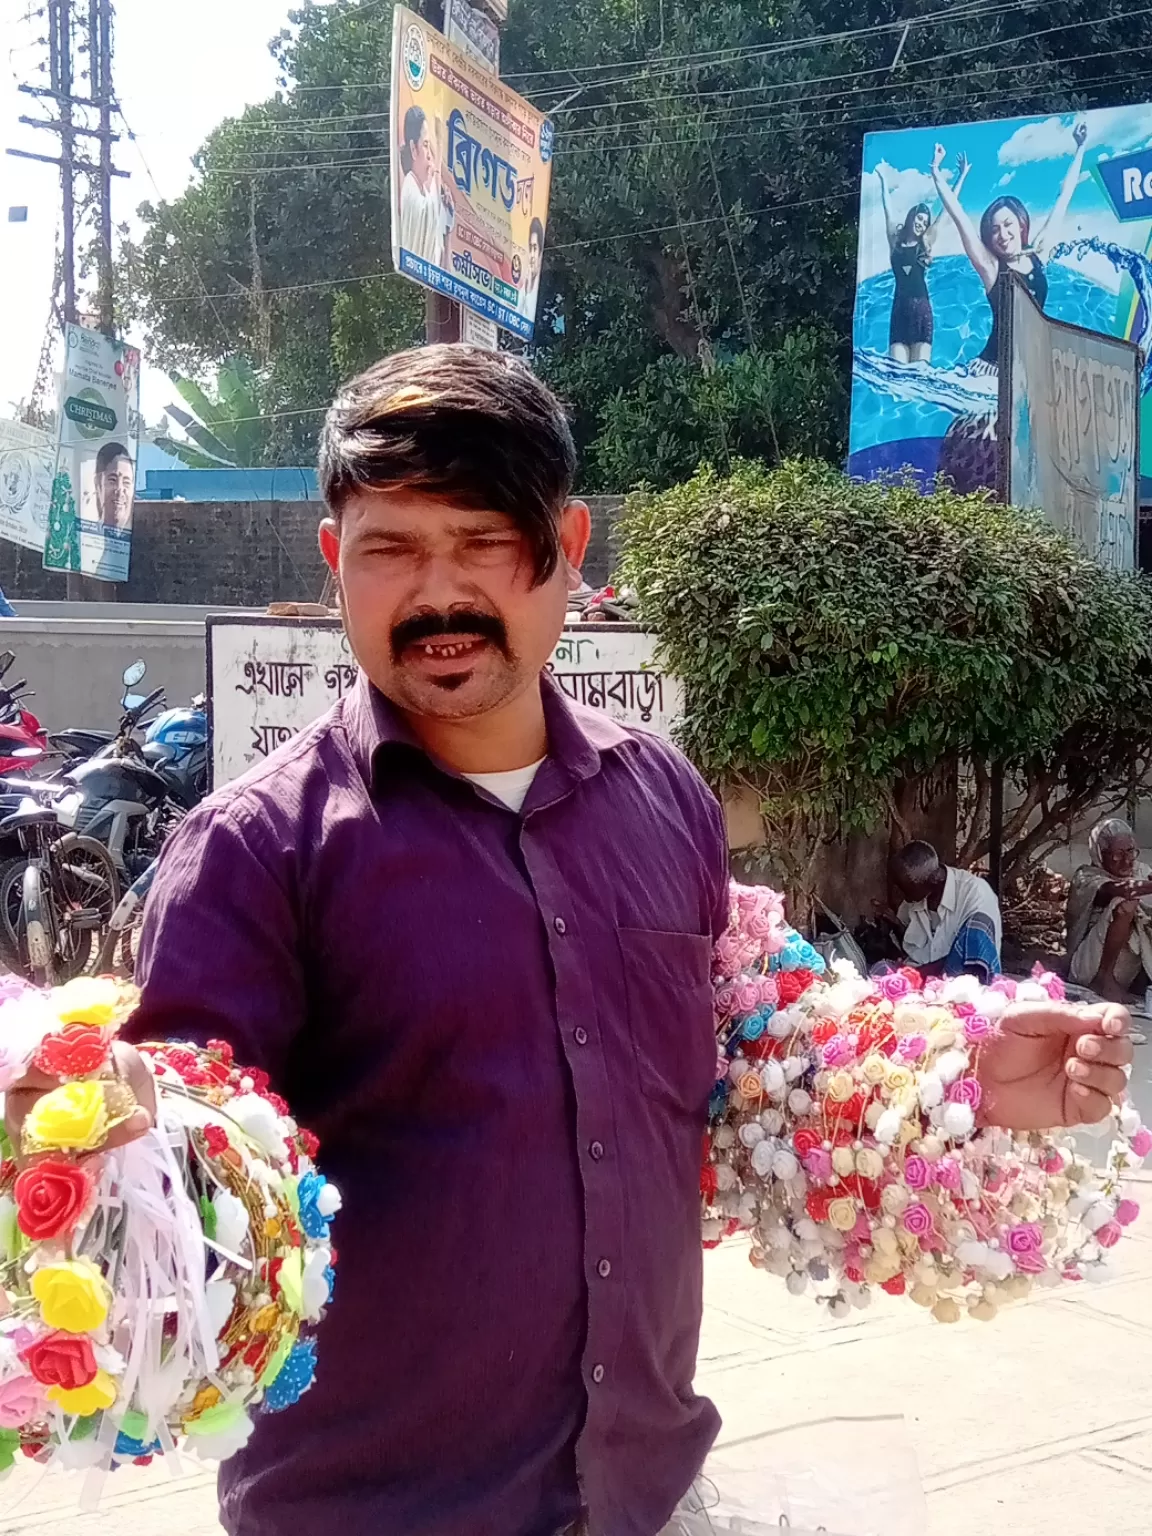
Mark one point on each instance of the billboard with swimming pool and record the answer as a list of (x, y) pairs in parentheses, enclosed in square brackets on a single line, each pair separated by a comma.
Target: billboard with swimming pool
[(1064, 202)]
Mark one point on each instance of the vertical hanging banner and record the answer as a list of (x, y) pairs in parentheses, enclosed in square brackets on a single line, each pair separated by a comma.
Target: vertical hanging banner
[(90, 519), (27, 459), (471, 177)]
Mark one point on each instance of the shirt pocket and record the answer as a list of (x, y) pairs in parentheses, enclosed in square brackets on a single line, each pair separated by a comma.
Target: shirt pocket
[(668, 986)]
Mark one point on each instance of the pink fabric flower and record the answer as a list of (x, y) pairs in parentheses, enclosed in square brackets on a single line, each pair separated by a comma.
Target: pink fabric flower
[(1052, 1163), (725, 1000), (1141, 1143), (977, 1028), (894, 986), (912, 1047), (819, 1165), (1030, 1263), (862, 1231), (1052, 984), (966, 1091), (1006, 985), (839, 1051), (21, 1399), (1025, 1238), (964, 1010), (918, 1220), (1109, 1234), (769, 992), (917, 1173), (747, 996), (1127, 1212), (948, 1174)]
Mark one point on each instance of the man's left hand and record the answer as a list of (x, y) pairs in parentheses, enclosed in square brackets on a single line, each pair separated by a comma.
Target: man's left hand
[(1055, 1064)]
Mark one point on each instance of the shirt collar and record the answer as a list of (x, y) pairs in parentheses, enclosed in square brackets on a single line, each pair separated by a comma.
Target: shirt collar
[(950, 896), (577, 736)]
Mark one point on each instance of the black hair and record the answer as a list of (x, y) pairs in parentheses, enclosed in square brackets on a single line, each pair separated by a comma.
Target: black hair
[(414, 120), (918, 862), (1014, 205), (537, 229), (108, 456), (908, 233), (455, 421)]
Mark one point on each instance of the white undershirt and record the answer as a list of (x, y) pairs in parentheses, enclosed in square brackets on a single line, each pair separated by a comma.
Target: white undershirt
[(511, 787)]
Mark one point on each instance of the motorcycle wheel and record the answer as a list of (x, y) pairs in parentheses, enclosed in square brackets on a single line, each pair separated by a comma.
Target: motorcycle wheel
[(11, 905), (85, 890)]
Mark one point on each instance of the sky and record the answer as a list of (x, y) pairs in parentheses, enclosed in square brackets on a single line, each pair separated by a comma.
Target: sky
[(178, 70)]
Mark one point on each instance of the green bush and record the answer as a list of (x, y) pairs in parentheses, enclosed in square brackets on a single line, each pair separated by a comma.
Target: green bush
[(762, 404), (837, 638)]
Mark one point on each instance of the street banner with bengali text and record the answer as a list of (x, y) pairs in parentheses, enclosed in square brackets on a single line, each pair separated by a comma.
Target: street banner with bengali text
[(27, 459), (471, 177), (90, 518), (1071, 397)]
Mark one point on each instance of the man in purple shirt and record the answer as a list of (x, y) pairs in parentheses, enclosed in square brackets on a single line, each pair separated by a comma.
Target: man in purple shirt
[(465, 926)]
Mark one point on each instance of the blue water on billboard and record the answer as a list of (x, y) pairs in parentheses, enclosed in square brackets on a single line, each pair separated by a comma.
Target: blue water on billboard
[(894, 401), (1139, 269)]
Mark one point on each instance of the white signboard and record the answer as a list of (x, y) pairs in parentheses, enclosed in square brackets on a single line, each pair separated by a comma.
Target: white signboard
[(27, 459), (269, 678)]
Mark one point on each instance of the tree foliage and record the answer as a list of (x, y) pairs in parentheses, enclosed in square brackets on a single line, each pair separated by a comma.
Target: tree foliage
[(837, 640), (704, 200), (225, 428)]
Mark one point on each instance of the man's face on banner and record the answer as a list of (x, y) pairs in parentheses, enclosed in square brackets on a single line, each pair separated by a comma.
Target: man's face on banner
[(114, 490)]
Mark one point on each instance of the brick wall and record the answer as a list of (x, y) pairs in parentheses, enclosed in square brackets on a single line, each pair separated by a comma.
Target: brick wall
[(238, 553)]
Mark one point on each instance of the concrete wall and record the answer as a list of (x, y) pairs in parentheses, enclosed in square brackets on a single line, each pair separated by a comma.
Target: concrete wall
[(234, 554), (76, 665)]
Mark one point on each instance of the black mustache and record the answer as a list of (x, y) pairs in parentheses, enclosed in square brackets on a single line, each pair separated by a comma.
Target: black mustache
[(435, 626)]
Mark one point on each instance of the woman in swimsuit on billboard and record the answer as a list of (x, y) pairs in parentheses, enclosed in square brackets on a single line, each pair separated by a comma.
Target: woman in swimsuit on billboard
[(910, 329), (1005, 241)]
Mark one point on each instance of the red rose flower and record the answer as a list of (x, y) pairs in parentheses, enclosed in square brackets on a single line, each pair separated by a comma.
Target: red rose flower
[(817, 1204), (913, 977), (895, 1287), (708, 1184), (216, 1140), (854, 1273), (278, 1104), (823, 1032), (221, 1049), (310, 1143), (62, 1360), (259, 1079), (50, 1198), (78, 1050), (806, 1140)]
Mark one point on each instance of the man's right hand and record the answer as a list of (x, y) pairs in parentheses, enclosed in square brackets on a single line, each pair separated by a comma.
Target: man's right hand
[(129, 1067)]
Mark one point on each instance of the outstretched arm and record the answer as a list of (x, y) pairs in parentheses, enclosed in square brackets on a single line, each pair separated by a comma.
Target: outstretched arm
[(981, 258), (964, 167), (1051, 225)]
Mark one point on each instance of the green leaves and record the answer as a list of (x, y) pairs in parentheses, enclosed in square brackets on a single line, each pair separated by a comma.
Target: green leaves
[(836, 638)]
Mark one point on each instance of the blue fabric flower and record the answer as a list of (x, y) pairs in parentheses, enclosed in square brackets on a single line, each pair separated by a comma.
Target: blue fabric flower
[(296, 1376), (754, 1026), (127, 1446), (315, 1225)]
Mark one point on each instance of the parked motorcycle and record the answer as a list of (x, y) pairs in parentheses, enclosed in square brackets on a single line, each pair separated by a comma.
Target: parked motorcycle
[(121, 942), (23, 740), (57, 897)]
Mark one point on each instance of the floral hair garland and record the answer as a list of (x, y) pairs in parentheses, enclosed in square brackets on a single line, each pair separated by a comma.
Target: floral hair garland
[(843, 1134), (161, 1292)]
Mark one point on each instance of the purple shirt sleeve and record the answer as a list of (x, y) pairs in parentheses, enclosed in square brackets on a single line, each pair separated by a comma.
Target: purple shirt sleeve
[(220, 957)]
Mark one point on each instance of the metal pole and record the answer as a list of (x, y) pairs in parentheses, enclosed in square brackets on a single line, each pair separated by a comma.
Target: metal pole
[(60, 31), (101, 57)]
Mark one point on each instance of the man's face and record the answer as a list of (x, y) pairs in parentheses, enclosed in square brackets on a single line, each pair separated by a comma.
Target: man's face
[(1119, 856), (912, 889), (534, 257), (438, 599), (424, 158), (114, 489)]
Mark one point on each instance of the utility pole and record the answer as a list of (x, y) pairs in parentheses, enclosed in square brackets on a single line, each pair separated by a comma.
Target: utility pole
[(75, 27)]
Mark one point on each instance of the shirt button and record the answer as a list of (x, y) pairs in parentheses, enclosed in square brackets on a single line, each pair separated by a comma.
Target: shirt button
[(596, 1151), (604, 1268), (597, 1374), (581, 1035), (560, 926)]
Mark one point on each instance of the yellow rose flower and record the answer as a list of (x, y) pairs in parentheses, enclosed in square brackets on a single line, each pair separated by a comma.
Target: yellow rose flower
[(840, 1087), (87, 1000), (843, 1161), (73, 1117), (874, 1069), (73, 1296), (895, 1199), (869, 1163), (100, 1393), (896, 1077), (842, 1215)]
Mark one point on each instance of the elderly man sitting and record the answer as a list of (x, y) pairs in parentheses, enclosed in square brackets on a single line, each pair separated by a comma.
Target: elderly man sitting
[(950, 918), (1110, 913)]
